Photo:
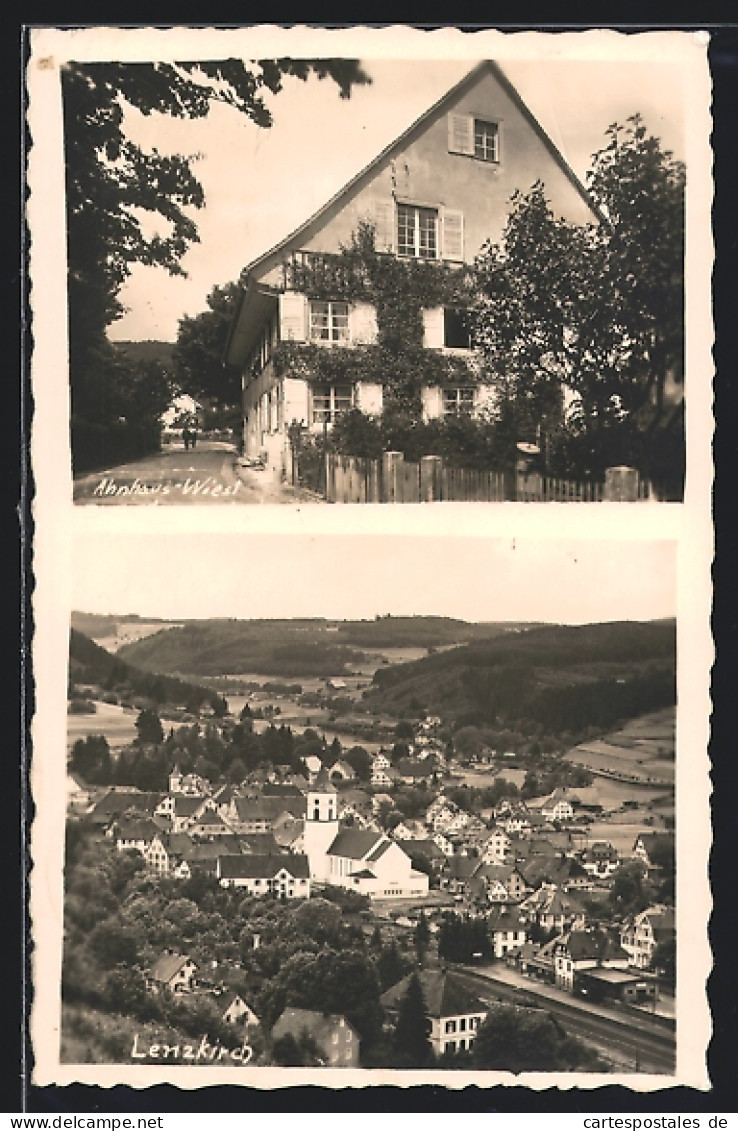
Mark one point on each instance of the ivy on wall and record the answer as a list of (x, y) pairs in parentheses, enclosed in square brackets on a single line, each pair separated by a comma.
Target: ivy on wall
[(399, 290)]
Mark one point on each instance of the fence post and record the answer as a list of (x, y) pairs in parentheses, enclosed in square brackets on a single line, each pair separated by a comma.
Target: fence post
[(391, 463), (430, 478), (621, 485)]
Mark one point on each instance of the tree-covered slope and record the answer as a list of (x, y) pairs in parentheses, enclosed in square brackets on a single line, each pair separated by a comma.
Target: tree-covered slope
[(556, 677)]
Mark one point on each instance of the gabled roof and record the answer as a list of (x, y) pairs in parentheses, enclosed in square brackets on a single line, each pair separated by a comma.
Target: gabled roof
[(187, 804), (355, 844), (253, 866), (592, 944), (314, 222), (167, 965), (133, 829), (116, 801), (263, 296), (445, 994)]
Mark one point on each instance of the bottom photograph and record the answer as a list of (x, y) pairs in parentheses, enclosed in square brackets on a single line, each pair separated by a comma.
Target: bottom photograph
[(384, 806)]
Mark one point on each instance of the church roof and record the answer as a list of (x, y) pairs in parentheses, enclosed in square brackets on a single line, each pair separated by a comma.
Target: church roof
[(355, 844)]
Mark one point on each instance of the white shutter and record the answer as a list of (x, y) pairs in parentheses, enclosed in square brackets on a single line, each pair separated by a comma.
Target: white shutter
[(432, 402), (433, 336), (384, 216), (452, 235), (363, 323), (461, 134), (292, 317)]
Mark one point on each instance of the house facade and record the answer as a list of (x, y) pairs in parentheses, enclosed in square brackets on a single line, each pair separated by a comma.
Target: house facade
[(434, 196), (645, 931), (286, 876)]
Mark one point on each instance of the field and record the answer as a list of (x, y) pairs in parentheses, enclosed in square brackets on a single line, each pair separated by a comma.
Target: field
[(642, 751)]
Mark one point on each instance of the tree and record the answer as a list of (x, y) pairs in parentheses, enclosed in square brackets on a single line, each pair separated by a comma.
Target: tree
[(198, 355), (594, 309), (391, 966), (149, 728), (128, 206), (411, 1042), (663, 959), (298, 1052), (510, 1040), (360, 762), (421, 937)]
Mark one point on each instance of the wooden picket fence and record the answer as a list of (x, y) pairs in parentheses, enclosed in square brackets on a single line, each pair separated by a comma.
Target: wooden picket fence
[(392, 479)]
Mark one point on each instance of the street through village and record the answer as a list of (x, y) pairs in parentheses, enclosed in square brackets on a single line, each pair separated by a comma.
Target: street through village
[(206, 475)]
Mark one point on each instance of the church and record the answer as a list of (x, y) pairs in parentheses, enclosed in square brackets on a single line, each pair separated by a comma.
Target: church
[(361, 860)]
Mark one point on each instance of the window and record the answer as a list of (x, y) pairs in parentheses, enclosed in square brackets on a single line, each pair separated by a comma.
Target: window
[(329, 401), (451, 1046), (456, 329), (462, 1025), (417, 231), (329, 321), (450, 1026), (458, 402), (462, 1045), (486, 140)]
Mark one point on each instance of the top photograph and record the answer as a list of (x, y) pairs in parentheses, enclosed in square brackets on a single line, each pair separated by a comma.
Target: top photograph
[(375, 281)]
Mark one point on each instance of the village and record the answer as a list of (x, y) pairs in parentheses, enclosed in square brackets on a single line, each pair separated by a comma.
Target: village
[(428, 854)]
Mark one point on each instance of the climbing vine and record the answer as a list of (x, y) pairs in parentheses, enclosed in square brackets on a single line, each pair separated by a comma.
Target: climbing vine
[(399, 290)]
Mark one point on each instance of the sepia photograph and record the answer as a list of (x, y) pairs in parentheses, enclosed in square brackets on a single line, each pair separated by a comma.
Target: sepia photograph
[(375, 280), (385, 831), (364, 795)]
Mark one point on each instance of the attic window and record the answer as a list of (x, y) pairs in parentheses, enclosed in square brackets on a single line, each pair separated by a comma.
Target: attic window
[(486, 140)]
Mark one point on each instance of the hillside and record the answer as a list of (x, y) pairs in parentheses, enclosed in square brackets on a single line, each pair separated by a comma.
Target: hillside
[(289, 647), (148, 351), (93, 665), (556, 677)]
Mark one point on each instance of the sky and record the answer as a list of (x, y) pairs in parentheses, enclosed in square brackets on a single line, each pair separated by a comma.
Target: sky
[(260, 184), (571, 580)]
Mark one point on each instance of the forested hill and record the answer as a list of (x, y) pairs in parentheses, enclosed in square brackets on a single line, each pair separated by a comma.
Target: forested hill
[(555, 677), (148, 351), (290, 647), (91, 664)]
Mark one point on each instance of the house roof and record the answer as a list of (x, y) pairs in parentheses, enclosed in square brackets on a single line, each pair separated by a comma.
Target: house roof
[(444, 992), (355, 844), (263, 296), (187, 804), (116, 801), (167, 965), (253, 866), (264, 844), (592, 944), (423, 847), (134, 829)]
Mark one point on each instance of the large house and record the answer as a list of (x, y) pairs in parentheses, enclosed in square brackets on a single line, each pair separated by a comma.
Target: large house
[(435, 195), (285, 875), (645, 931), (454, 1012)]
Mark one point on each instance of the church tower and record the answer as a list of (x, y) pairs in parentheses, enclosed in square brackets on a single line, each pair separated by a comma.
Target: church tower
[(321, 825)]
